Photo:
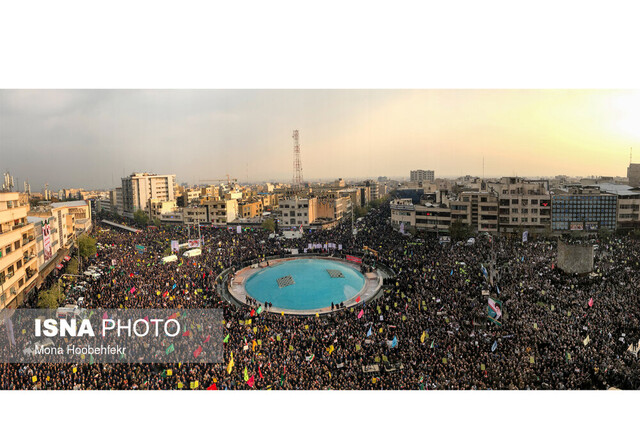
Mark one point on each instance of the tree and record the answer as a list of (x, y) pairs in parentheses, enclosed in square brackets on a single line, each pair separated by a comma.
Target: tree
[(140, 217), (157, 222), (459, 231), (72, 267), (51, 298), (87, 246), (359, 211), (269, 225)]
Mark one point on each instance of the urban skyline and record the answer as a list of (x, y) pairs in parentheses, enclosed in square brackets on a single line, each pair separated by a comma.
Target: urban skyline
[(365, 133)]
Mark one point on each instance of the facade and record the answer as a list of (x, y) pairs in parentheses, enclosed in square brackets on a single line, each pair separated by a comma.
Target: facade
[(139, 188), (194, 215), (158, 208), (221, 212), (633, 174), (333, 208), (188, 197), (18, 261), (578, 208), (421, 175), (47, 239), (298, 211), (628, 205), (403, 212), (523, 205), (250, 208)]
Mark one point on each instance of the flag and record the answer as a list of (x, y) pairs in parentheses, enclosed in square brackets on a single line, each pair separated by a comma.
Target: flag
[(310, 358), (591, 302), (212, 387), (197, 352), (251, 381), (170, 349), (370, 332), (484, 270), (230, 365), (252, 313), (330, 349), (432, 341), (259, 310), (206, 340), (360, 314), (494, 346), (394, 343), (246, 374), (260, 372), (494, 310), (586, 341), (423, 336), (358, 299)]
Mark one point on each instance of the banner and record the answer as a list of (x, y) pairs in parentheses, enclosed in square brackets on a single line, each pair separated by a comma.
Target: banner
[(494, 311), (194, 243), (175, 246), (239, 229), (525, 236), (402, 227), (46, 241), (140, 249), (354, 259)]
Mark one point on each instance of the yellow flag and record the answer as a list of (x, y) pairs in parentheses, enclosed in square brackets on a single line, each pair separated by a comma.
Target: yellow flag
[(423, 336), (75, 370), (317, 315), (230, 366), (169, 372), (34, 379)]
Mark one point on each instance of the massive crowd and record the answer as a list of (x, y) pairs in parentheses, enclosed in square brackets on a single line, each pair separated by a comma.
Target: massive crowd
[(433, 309)]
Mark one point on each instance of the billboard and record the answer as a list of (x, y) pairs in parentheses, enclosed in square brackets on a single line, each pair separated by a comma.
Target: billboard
[(577, 226), (46, 241), (194, 243), (175, 246)]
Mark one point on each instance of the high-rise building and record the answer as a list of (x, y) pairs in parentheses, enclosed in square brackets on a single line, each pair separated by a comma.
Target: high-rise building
[(18, 268), (138, 188), (297, 211), (421, 175), (583, 208), (633, 173)]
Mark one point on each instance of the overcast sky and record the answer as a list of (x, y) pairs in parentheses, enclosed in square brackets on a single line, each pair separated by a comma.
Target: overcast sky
[(91, 138)]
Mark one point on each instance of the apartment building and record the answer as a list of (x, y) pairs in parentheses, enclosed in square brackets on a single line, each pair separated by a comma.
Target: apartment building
[(221, 212), (298, 211), (421, 175), (628, 206), (139, 188), (523, 205), (583, 208), (18, 261)]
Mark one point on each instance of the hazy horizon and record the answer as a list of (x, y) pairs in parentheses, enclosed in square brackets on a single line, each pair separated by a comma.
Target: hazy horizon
[(91, 138)]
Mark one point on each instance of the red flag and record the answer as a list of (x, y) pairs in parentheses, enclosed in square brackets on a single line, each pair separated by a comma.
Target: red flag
[(173, 316), (358, 299), (186, 334), (207, 339), (198, 351), (253, 312), (251, 381), (591, 302), (260, 372), (360, 314), (132, 290), (212, 387), (130, 274), (165, 294)]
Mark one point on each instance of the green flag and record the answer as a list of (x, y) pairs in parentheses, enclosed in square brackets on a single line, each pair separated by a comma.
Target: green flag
[(226, 339), (246, 374), (170, 349), (91, 359)]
